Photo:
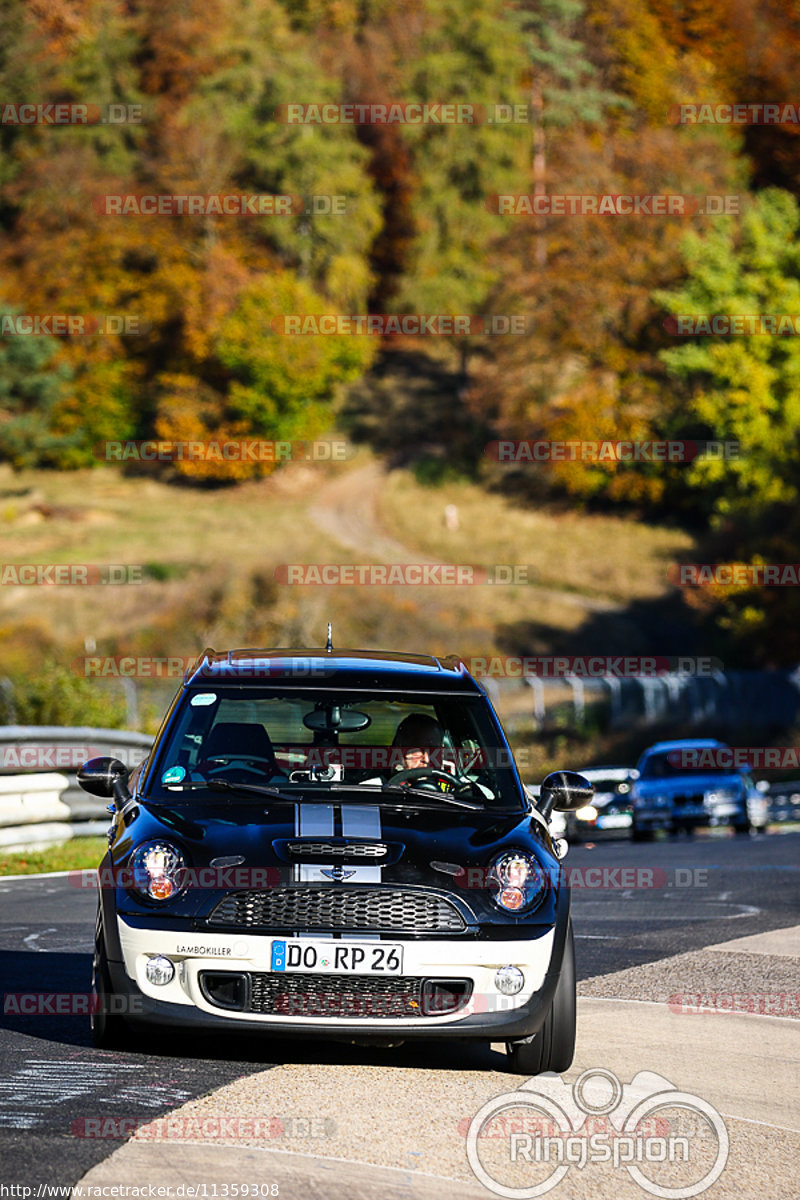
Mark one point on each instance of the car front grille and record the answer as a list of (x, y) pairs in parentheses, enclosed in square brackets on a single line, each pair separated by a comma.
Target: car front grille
[(336, 996), (337, 850), (696, 798), (333, 909), (354, 998)]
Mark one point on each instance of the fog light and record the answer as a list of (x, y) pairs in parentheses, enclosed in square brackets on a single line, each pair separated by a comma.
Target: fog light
[(159, 970), (509, 981)]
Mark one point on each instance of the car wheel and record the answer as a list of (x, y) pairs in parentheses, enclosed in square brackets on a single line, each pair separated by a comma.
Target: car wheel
[(742, 827), (553, 1047), (641, 835), (109, 1030)]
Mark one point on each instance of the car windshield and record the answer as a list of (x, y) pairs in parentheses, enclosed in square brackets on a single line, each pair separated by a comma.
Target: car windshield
[(668, 766), (312, 742)]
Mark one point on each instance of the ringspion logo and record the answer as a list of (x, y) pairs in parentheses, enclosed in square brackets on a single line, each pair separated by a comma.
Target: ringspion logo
[(548, 1126)]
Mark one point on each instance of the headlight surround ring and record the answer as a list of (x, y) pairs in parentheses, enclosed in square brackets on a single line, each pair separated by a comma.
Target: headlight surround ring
[(517, 882)]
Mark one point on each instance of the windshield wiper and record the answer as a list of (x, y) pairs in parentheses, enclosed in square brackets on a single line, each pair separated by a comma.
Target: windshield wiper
[(434, 797), (225, 785)]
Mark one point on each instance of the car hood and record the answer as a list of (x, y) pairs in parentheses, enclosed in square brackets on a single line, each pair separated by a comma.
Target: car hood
[(233, 844)]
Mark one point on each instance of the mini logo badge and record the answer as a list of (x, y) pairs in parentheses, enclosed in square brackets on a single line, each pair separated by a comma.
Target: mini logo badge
[(337, 873)]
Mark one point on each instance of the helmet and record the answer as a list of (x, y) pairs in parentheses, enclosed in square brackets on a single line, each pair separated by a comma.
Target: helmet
[(418, 730)]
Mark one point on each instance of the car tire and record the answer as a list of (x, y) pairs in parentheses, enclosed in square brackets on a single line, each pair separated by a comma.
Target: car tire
[(109, 1031), (553, 1047), (641, 835)]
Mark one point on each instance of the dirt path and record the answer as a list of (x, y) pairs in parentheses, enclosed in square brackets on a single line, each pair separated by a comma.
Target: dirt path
[(346, 510)]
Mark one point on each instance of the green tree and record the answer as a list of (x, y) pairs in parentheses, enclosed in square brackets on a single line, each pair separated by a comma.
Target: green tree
[(31, 385), (742, 388)]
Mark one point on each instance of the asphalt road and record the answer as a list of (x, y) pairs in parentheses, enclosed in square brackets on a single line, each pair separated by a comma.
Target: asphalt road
[(632, 904)]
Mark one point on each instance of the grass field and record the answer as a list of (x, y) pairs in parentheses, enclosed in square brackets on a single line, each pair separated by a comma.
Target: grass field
[(208, 557), (78, 854), (593, 556)]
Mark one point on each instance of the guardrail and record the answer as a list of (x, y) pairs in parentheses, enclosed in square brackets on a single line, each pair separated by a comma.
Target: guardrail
[(32, 811), (30, 754), (753, 699)]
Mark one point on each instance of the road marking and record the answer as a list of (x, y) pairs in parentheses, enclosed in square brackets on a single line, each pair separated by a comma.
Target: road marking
[(33, 937), (598, 937), (43, 1083), (41, 875)]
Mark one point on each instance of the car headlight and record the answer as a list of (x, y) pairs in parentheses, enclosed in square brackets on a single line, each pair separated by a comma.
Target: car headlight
[(723, 795), (516, 882), (587, 813), (158, 870)]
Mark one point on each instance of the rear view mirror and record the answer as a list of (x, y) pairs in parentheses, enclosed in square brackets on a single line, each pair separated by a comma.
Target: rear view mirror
[(334, 719), (565, 791)]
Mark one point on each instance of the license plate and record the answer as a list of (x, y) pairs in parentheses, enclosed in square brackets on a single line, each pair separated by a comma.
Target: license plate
[(614, 821), (336, 958)]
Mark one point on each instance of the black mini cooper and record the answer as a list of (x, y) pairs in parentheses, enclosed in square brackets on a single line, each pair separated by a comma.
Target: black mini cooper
[(337, 844)]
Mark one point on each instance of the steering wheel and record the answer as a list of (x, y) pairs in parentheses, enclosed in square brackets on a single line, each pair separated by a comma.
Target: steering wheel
[(440, 779)]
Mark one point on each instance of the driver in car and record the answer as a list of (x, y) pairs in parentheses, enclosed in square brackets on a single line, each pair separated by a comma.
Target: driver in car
[(417, 736), (420, 739)]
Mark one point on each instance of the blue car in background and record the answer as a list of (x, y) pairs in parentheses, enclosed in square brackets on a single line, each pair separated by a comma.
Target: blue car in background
[(674, 794)]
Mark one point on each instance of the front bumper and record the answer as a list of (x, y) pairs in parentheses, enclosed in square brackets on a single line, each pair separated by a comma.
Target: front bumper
[(487, 1014)]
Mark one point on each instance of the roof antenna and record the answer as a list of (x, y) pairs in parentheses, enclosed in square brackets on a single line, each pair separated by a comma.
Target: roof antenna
[(329, 645)]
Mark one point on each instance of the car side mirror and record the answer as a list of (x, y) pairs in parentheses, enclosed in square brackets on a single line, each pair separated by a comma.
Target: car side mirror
[(105, 777), (564, 790)]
